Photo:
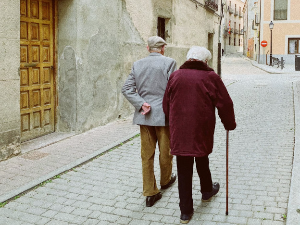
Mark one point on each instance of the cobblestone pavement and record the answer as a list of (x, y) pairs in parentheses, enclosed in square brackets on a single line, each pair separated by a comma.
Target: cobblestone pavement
[(108, 189)]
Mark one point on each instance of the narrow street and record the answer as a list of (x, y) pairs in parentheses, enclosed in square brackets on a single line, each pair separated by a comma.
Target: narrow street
[(108, 189)]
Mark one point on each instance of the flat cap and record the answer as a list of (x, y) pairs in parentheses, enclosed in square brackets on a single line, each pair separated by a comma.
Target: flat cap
[(156, 42)]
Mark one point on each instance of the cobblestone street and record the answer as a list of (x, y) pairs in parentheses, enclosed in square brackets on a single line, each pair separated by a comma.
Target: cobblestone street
[(108, 189)]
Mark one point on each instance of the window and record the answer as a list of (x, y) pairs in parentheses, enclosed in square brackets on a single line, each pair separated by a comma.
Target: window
[(229, 40), (280, 9), (294, 45), (161, 28), (239, 42), (234, 42)]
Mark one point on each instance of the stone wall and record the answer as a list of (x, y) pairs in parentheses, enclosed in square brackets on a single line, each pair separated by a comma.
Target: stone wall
[(97, 44), (9, 78), (99, 40)]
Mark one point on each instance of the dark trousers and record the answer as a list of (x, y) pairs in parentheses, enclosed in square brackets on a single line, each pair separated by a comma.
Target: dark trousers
[(185, 166)]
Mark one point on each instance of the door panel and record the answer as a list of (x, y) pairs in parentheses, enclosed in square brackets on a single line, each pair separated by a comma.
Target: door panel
[(36, 68)]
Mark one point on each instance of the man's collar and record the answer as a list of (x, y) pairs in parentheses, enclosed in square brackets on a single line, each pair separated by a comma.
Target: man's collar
[(154, 54)]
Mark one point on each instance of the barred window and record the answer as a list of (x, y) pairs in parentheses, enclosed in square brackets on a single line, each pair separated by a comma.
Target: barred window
[(280, 9), (294, 47), (161, 22)]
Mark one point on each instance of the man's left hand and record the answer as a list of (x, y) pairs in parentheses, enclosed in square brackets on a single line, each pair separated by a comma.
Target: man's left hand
[(146, 108)]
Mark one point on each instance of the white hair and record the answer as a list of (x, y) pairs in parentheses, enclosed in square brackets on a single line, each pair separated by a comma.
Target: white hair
[(157, 49), (200, 53)]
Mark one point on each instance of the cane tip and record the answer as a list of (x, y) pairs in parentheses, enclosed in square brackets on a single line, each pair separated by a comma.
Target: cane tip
[(226, 213)]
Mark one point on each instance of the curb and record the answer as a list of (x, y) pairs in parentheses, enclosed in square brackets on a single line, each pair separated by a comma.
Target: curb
[(63, 169)]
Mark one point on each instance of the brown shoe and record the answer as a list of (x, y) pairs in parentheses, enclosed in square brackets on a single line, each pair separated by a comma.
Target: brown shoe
[(173, 179), (150, 200)]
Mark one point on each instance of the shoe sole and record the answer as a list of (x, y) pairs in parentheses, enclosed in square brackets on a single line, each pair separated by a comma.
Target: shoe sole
[(184, 221), (208, 200)]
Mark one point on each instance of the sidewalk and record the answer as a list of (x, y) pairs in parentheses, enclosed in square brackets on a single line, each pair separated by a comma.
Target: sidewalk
[(43, 160), (288, 68)]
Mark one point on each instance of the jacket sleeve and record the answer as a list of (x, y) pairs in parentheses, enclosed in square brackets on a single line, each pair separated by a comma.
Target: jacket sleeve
[(166, 101), (130, 92), (172, 68), (224, 105)]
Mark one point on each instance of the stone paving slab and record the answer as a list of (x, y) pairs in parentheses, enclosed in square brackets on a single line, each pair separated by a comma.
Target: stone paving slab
[(293, 216), (27, 170), (108, 189)]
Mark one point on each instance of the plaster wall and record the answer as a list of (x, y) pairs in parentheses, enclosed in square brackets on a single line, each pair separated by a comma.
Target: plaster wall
[(97, 43), (194, 26), (294, 9), (283, 29), (99, 40), (9, 78)]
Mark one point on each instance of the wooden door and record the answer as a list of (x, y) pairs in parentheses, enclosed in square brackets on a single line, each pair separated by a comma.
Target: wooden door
[(37, 100)]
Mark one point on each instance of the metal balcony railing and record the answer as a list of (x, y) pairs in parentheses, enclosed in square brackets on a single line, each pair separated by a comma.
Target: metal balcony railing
[(236, 13), (230, 10), (241, 31), (211, 4), (236, 31), (240, 14)]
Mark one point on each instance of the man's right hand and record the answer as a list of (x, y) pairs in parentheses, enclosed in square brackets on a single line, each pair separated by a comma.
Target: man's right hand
[(146, 108)]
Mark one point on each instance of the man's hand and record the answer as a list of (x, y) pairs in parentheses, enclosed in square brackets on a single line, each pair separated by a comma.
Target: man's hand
[(146, 108)]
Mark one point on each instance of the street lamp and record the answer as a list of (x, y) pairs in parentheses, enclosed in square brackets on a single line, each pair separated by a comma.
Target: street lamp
[(271, 25)]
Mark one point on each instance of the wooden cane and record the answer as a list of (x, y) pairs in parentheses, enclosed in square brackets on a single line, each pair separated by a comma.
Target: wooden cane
[(227, 140)]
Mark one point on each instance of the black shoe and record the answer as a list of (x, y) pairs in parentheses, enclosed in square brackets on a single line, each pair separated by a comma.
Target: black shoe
[(185, 218), (206, 196), (150, 200), (173, 178)]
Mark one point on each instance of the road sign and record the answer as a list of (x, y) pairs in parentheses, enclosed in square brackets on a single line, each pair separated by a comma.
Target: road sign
[(264, 43)]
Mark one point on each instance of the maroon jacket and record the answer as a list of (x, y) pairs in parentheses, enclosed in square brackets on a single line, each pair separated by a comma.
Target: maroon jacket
[(192, 94)]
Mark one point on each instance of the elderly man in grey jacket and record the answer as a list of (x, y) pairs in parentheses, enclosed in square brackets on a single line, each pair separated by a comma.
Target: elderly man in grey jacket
[(144, 89)]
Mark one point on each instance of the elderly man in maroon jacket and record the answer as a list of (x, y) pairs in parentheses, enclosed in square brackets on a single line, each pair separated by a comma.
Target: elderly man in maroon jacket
[(191, 97)]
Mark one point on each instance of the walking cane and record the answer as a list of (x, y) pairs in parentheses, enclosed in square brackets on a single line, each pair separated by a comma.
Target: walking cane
[(227, 140)]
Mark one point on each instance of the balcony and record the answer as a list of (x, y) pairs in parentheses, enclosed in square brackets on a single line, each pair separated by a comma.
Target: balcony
[(211, 4), (230, 10), (241, 31), (236, 13), (240, 14), (236, 31)]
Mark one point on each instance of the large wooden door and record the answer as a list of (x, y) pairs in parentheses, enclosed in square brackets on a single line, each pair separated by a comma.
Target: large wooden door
[(37, 100)]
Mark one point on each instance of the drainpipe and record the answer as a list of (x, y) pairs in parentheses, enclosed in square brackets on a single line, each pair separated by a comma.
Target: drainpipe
[(219, 44)]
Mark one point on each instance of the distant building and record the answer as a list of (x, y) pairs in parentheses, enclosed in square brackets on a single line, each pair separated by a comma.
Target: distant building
[(286, 32), (232, 26), (63, 63), (252, 26)]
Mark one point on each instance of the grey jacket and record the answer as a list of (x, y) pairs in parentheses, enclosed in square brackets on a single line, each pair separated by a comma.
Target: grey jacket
[(147, 83)]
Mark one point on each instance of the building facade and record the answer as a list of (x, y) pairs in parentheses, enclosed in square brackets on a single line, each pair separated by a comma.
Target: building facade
[(232, 26), (251, 28), (285, 33), (63, 63)]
